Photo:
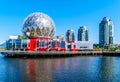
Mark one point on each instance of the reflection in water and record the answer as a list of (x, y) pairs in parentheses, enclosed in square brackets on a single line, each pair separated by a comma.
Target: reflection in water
[(106, 70), (76, 69)]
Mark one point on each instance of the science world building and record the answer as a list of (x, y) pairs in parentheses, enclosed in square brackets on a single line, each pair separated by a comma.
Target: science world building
[(39, 30), (37, 25)]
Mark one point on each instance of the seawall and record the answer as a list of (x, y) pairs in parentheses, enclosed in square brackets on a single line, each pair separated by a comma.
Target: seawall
[(58, 54)]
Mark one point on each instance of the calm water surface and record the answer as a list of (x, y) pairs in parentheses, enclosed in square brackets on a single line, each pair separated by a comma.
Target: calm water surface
[(76, 69)]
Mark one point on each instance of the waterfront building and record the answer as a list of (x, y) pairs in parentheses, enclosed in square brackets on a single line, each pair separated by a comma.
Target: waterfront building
[(82, 34), (17, 44), (84, 45), (39, 29), (70, 36), (106, 33)]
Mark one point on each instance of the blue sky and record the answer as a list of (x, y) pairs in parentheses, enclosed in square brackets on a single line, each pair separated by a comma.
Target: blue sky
[(67, 14)]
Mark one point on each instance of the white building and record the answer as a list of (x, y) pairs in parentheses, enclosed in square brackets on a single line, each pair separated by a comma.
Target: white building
[(84, 45)]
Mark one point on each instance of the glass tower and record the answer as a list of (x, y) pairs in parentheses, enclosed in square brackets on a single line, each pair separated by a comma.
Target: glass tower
[(83, 34), (106, 33), (70, 37)]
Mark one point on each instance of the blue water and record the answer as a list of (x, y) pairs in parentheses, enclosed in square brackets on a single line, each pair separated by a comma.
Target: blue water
[(74, 69)]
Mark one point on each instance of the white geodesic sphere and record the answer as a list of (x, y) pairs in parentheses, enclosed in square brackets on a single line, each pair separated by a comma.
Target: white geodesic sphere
[(38, 24)]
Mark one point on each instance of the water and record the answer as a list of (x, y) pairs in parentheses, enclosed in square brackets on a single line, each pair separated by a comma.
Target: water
[(76, 69)]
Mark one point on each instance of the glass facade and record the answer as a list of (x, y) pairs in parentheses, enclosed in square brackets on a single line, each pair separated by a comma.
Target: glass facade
[(17, 44), (41, 44), (106, 33), (53, 44), (83, 34), (62, 44), (25, 43), (70, 37)]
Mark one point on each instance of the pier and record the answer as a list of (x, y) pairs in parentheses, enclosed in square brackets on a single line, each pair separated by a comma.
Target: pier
[(58, 54)]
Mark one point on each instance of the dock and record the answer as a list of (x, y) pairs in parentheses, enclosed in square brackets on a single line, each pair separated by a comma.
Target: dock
[(58, 54)]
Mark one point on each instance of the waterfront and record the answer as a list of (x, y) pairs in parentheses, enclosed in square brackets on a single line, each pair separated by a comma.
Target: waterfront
[(71, 69), (36, 54)]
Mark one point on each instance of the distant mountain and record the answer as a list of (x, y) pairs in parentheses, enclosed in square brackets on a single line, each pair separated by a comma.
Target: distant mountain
[(3, 44)]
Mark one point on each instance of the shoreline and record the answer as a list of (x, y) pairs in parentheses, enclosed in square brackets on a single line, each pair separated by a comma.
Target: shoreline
[(58, 54)]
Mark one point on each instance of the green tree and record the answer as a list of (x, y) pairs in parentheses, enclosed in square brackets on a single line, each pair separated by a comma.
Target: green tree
[(22, 37), (112, 49)]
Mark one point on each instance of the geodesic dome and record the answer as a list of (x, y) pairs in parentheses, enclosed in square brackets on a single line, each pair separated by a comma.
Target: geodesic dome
[(38, 24)]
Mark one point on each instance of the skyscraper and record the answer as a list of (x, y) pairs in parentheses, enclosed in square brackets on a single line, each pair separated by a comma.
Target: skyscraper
[(70, 36), (83, 34), (106, 33)]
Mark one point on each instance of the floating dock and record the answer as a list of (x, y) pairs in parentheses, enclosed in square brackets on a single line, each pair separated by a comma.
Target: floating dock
[(58, 54)]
